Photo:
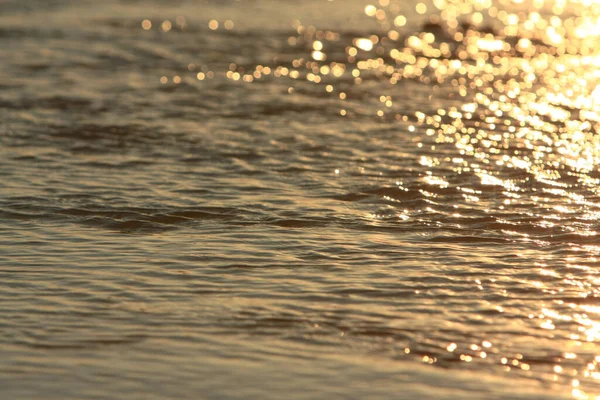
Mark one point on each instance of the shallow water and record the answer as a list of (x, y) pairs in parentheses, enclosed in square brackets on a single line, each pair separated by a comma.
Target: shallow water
[(316, 199)]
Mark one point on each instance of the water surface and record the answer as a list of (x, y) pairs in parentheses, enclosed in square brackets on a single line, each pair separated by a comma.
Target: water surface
[(320, 199)]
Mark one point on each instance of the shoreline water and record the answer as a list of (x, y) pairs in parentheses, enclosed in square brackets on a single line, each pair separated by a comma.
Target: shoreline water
[(259, 199)]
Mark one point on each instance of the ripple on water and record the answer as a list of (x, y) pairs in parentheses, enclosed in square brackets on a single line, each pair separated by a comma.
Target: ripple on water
[(394, 193)]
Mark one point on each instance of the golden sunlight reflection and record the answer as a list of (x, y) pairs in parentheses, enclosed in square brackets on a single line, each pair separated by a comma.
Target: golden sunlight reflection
[(531, 93), (524, 120)]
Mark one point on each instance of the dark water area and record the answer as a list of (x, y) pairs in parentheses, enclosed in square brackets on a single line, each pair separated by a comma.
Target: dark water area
[(320, 199)]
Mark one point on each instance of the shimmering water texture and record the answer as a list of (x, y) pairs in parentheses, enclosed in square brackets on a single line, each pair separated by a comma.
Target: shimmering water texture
[(320, 199)]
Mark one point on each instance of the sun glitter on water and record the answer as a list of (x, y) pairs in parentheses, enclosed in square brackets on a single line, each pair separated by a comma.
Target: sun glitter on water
[(526, 89)]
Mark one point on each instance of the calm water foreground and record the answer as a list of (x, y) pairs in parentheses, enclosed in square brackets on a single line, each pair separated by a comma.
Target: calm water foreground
[(320, 199)]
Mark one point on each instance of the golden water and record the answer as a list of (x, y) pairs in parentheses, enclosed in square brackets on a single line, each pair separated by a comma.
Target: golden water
[(321, 199)]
